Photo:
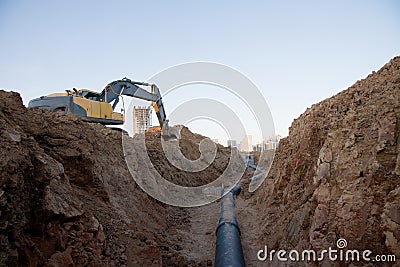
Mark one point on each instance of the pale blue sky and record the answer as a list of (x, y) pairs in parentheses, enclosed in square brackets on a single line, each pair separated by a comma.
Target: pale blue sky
[(297, 52)]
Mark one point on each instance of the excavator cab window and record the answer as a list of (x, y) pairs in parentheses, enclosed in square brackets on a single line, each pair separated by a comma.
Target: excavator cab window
[(91, 95)]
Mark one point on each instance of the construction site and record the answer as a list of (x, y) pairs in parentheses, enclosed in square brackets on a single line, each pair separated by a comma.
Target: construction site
[(68, 198)]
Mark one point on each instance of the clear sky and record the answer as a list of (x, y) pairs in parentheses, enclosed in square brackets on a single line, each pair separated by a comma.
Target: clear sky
[(297, 52)]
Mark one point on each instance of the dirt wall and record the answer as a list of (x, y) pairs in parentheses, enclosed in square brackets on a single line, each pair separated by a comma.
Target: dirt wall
[(337, 173), (68, 199)]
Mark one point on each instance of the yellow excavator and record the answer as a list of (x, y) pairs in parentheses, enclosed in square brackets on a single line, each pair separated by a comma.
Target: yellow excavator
[(99, 107)]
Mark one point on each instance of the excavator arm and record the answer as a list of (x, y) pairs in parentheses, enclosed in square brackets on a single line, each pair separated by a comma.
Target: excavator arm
[(131, 88)]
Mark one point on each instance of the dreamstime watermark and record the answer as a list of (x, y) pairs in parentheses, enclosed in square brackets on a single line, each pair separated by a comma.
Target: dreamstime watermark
[(340, 253), (225, 114)]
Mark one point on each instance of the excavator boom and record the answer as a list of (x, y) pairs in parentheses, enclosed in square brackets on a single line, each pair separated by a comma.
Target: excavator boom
[(127, 87)]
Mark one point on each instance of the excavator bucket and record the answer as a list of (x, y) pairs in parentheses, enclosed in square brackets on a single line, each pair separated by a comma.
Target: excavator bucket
[(170, 133)]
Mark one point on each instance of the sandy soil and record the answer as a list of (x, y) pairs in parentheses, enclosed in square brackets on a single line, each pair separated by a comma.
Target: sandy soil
[(67, 197)]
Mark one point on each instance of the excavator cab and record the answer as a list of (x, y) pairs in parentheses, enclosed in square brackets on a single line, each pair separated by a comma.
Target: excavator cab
[(90, 95)]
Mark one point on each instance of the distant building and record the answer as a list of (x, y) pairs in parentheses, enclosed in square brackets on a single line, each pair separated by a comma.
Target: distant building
[(232, 143), (141, 119), (247, 143), (272, 142)]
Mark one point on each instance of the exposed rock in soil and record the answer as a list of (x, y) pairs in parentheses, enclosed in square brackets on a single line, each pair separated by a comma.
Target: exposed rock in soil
[(337, 173)]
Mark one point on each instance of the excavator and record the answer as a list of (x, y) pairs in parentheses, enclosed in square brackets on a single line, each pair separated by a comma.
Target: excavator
[(99, 107)]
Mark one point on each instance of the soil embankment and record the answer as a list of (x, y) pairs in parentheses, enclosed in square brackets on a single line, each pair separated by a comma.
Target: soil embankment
[(67, 197)]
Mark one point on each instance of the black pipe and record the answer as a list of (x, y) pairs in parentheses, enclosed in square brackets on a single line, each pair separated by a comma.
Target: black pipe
[(228, 251)]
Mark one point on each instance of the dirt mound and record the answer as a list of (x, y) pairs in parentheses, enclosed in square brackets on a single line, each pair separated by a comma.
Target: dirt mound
[(337, 173), (189, 146), (68, 199)]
